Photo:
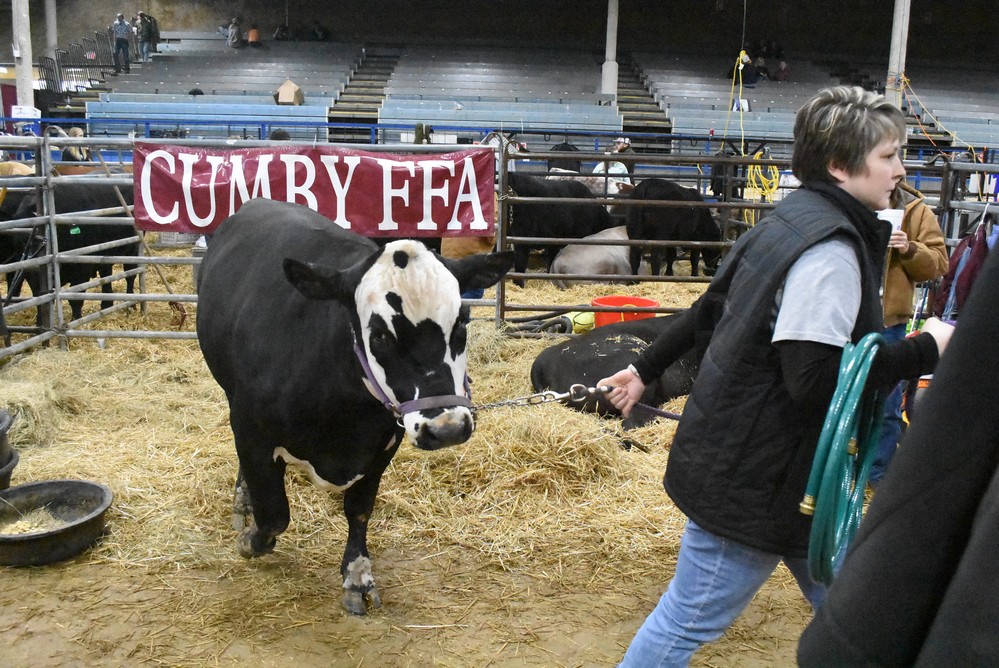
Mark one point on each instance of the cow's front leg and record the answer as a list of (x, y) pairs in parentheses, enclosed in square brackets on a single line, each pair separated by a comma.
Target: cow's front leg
[(695, 259), (635, 258), (521, 257), (242, 509), (105, 271), (359, 589)]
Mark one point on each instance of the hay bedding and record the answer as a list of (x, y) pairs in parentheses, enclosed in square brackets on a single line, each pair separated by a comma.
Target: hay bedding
[(541, 514)]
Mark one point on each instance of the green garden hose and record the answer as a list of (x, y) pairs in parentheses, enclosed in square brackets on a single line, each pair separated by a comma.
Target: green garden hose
[(843, 458)]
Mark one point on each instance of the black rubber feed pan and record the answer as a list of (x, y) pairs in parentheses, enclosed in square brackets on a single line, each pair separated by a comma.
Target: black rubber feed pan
[(49, 521)]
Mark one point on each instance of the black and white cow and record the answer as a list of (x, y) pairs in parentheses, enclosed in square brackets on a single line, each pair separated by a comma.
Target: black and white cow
[(604, 351), (329, 350), (674, 223), (551, 219), (70, 197)]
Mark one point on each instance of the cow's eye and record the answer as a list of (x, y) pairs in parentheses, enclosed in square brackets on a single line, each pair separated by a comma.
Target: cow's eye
[(381, 338)]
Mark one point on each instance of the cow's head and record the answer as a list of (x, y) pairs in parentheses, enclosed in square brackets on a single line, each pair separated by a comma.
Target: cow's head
[(411, 324)]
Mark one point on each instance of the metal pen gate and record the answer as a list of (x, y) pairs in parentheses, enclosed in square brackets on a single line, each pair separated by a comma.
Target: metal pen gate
[(948, 184), (944, 181)]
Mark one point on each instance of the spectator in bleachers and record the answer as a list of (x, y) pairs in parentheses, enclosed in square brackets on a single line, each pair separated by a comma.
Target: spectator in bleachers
[(317, 32), (233, 37), (76, 153), (621, 145), (122, 32), (761, 68), (783, 72), (279, 134), (745, 69), (144, 33), (253, 36), (154, 25)]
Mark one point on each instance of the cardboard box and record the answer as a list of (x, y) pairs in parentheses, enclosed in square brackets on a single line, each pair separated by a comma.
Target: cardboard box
[(289, 93)]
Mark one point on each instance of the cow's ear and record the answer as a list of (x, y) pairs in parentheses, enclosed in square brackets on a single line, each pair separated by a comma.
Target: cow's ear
[(481, 270), (315, 282)]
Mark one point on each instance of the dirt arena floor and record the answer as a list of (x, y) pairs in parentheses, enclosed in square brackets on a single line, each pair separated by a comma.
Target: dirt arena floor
[(540, 542)]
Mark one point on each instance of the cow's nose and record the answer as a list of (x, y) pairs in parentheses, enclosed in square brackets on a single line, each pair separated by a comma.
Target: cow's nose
[(451, 427)]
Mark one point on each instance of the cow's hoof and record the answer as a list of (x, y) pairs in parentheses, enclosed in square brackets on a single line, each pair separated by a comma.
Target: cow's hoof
[(242, 519), (252, 543), (358, 602)]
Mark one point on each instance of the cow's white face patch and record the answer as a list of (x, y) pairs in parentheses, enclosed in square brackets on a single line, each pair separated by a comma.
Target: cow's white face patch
[(413, 329)]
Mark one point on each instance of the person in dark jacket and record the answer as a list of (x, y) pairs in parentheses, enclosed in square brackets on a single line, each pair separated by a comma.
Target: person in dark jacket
[(144, 33), (770, 329), (918, 585)]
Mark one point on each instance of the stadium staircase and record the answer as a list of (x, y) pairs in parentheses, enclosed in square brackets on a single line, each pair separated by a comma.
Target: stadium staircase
[(362, 96), (639, 109)]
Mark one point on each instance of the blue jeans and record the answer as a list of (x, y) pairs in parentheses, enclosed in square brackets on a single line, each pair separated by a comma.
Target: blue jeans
[(121, 61), (715, 580), (891, 428)]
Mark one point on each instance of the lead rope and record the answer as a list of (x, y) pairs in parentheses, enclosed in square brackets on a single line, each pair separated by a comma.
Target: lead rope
[(577, 393), (845, 451)]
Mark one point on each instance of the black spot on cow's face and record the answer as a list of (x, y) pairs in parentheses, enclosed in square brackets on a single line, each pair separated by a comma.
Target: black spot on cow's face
[(395, 301), (412, 357), (459, 333), (401, 259)]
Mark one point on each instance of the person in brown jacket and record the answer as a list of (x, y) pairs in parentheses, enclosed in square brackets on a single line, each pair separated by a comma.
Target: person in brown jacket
[(916, 254)]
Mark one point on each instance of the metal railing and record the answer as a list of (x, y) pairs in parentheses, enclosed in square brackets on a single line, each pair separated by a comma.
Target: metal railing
[(960, 204)]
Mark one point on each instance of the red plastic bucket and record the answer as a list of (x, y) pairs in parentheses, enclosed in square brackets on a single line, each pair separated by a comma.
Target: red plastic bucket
[(601, 318)]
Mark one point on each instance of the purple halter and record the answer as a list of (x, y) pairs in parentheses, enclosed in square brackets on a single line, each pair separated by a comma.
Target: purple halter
[(399, 410)]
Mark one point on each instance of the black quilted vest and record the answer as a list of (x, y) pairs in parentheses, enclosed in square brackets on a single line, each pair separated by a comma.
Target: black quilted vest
[(741, 457)]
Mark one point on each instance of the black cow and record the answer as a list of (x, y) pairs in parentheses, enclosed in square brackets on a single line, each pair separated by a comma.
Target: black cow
[(286, 299), (570, 164), (71, 197), (604, 351), (557, 220), (671, 224)]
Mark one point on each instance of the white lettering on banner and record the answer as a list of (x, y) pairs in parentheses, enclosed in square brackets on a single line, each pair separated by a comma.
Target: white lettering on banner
[(468, 191), (186, 189), (389, 193), (147, 192), (305, 188), (429, 192), (187, 176), (261, 181), (340, 186)]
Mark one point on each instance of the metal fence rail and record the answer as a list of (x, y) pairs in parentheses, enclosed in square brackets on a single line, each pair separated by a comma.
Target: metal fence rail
[(961, 202)]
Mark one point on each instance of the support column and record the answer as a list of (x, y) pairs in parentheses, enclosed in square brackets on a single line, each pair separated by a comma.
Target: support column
[(51, 29), (23, 62), (608, 79), (896, 59)]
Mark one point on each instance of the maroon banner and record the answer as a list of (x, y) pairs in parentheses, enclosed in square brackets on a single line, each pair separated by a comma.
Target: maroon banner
[(184, 189)]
